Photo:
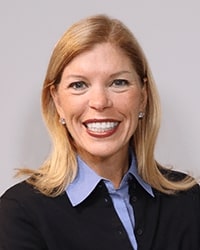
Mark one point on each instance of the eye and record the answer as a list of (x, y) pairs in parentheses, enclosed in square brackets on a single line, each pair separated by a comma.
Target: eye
[(118, 83), (79, 85)]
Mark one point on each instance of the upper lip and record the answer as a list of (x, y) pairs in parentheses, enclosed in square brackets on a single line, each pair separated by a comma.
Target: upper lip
[(100, 120)]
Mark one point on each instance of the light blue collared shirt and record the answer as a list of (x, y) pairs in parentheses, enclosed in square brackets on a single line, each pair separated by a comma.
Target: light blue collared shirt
[(86, 181)]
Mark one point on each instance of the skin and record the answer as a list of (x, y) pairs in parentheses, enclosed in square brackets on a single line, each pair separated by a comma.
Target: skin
[(101, 85)]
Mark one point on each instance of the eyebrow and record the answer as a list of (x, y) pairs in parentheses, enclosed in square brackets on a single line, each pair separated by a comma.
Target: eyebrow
[(111, 76), (120, 73)]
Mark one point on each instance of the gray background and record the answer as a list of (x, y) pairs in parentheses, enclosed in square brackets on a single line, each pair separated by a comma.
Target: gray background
[(169, 32)]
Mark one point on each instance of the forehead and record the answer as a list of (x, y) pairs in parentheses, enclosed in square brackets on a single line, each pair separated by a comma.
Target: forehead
[(101, 56)]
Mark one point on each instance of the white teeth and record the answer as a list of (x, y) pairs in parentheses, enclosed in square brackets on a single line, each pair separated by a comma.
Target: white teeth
[(101, 126)]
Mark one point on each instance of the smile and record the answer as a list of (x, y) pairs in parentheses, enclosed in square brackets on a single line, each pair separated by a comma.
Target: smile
[(101, 127)]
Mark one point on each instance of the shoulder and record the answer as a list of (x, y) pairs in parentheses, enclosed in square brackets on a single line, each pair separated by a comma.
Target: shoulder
[(21, 197), (20, 191), (27, 196), (178, 176), (172, 175), (26, 200)]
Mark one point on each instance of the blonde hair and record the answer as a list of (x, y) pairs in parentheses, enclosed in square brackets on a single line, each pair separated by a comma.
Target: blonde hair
[(61, 166)]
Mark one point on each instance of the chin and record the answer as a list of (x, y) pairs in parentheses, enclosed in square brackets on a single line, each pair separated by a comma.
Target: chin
[(100, 152)]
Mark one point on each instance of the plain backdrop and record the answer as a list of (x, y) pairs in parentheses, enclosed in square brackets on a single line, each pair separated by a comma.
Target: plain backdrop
[(169, 32)]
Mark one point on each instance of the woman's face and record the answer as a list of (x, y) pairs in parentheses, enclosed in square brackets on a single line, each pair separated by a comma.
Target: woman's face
[(99, 97)]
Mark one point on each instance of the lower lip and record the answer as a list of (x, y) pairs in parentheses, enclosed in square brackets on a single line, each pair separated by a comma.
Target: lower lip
[(102, 134)]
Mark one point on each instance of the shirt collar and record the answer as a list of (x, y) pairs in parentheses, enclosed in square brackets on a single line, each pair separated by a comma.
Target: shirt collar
[(133, 170), (80, 188)]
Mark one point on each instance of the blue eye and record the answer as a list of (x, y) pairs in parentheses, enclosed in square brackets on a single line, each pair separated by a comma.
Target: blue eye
[(79, 85), (120, 83)]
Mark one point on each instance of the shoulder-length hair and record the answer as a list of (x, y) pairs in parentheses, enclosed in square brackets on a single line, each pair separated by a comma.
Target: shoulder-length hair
[(60, 168)]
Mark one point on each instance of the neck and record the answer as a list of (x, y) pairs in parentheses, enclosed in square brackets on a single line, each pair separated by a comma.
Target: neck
[(112, 168)]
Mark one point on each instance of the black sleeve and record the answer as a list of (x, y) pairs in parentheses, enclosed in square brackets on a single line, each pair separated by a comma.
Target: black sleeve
[(17, 231)]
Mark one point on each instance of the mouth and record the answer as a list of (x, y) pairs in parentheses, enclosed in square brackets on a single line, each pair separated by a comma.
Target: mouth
[(101, 127)]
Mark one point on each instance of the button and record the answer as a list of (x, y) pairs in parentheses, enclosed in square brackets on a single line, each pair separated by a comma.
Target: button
[(139, 231), (106, 200), (134, 198), (120, 232)]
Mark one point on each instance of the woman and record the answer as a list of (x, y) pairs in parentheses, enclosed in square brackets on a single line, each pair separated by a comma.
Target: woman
[(101, 187)]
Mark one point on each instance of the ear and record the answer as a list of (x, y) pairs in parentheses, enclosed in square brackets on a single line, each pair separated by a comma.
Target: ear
[(56, 100), (143, 98)]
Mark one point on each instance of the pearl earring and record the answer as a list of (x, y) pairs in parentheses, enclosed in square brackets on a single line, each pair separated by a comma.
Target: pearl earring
[(141, 115), (62, 121)]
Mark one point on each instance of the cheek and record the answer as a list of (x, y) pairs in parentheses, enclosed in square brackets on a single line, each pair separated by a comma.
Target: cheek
[(129, 103), (72, 108)]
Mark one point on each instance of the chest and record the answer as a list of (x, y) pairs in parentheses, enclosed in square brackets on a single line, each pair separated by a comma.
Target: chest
[(165, 223)]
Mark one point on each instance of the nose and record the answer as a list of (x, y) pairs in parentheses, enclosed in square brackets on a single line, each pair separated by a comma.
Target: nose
[(100, 99)]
